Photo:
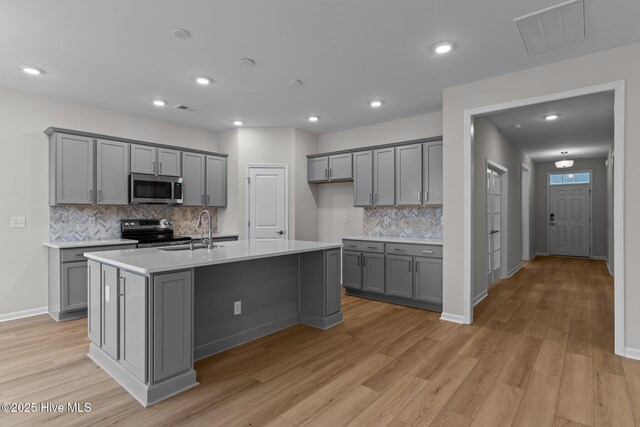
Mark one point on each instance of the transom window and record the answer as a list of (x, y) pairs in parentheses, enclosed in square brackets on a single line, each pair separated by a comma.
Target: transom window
[(570, 178)]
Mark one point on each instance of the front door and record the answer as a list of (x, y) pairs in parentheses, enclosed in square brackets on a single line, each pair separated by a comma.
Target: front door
[(570, 220), (494, 226), (267, 203)]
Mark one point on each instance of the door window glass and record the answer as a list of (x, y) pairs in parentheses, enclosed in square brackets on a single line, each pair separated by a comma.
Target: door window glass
[(570, 178)]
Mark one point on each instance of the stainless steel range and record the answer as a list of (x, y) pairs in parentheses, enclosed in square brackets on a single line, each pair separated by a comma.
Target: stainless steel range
[(151, 232)]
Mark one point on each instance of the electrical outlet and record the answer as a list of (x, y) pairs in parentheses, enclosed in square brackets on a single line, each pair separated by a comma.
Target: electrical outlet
[(237, 308), (18, 222), (442, 220), (92, 221), (346, 219)]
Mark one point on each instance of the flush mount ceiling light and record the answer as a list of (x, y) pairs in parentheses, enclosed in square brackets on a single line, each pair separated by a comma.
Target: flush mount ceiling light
[(247, 62), (181, 33), (442, 47), (517, 125), (204, 81), (159, 103), (375, 104), (31, 70), (551, 117), (564, 163), (295, 83), (238, 122), (314, 118)]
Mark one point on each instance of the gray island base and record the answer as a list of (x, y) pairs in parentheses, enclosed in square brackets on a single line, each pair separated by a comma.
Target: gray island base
[(152, 312)]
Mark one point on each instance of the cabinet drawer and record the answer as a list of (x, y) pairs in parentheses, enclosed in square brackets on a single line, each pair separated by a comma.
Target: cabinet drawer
[(428, 251), (76, 254), (364, 246)]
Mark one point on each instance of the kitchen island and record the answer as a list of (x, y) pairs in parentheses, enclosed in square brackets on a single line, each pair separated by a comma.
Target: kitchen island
[(152, 312)]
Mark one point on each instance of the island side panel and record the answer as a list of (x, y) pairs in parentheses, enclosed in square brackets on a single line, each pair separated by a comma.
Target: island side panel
[(267, 289), (320, 295)]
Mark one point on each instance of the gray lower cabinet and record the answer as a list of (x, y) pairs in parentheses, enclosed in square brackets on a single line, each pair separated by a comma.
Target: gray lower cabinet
[(71, 171), (399, 276), (216, 182), (133, 324), (373, 272), (409, 175), (332, 282), (363, 178), (318, 169), (112, 172), (110, 319), (74, 293), (352, 269), (427, 280), (172, 324), (383, 177), (193, 187), (432, 173)]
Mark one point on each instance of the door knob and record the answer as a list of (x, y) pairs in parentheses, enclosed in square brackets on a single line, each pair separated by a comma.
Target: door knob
[(280, 232)]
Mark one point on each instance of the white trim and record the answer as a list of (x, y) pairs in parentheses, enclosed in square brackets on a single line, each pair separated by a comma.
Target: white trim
[(249, 166), (609, 268), (480, 297), (599, 258), (24, 313), (514, 271), (448, 317), (632, 353), (619, 141), (525, 211)]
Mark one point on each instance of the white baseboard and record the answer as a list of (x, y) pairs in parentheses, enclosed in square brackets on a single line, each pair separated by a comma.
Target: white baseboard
[(541, 254), (480, 297), (599, 258), (24, 313), (632, 353), (514, 271), (609, 268), (452, 318), (531, 258)]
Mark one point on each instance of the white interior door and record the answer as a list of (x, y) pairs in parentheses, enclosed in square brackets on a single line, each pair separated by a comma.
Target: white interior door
[(494, 226), (570, 220), (267, 203)]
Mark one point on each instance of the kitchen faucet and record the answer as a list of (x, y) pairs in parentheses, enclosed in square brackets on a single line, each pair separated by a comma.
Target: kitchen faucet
[(210, 235)]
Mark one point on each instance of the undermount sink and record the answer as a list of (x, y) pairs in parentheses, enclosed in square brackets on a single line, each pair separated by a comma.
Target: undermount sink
[(185, 248)]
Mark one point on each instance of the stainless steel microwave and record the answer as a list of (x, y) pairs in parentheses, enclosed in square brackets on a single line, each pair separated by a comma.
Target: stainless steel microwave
[(151, 189)]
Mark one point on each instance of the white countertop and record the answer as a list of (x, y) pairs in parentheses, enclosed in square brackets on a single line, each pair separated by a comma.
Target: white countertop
[(85, 243), (394, 239), (153, 260)]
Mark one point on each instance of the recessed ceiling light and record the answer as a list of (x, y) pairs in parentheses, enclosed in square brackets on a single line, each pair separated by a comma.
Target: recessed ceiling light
[(376, 104), (247, 62), (314, 118), (550, 117), (31, 70), (517, 125), (159, 103), (442, 47), (181, 33), (238, 122), (202, 80)]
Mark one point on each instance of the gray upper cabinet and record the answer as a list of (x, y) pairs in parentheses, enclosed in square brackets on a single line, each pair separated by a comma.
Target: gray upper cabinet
[(373, 272), (143, 159), (151, 160), (409, 175), (168, 162), (340, 167), (427, 282), (383, 177), (318, 169), (112, 172), (193, 187), (432, 161), (363, 178), (399, 276), (172, 324), (216, 182), (351, 270), (71, 170), (133, 324)]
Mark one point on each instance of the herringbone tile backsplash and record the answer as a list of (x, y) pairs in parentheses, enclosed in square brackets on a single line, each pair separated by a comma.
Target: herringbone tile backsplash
[(424, 222), (103, 222)]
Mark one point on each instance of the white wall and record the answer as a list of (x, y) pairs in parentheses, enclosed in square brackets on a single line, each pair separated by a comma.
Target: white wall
[(335, 200), (231, 219), (306, 195), (602, 67), (492, 145), (24, 172), (599, 202)]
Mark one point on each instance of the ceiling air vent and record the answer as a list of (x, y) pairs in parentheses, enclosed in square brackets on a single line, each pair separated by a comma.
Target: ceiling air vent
[(182, 107), (553, 27)]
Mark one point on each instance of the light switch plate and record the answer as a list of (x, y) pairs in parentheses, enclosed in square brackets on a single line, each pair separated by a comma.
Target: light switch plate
[(237, 308), (18, 222)]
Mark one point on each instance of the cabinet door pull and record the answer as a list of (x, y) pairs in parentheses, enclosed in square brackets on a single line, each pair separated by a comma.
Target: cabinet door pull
[(419, 195), (153, 166), (326, 174), (91, 195), (376, 198), (372, 247), (358, 259), (370, 199), (160, 167), (428, 252), (99, 195), (208, 198), (426, 196), (122, 285), (352, 246), (400, 250), (409, 265), (330, 173)]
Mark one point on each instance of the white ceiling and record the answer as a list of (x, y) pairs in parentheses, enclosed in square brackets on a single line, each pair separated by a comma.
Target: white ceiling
[(584, 128), (120, 54)]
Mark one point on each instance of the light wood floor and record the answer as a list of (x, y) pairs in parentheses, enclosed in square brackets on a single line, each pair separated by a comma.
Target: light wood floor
[(540, 353)]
